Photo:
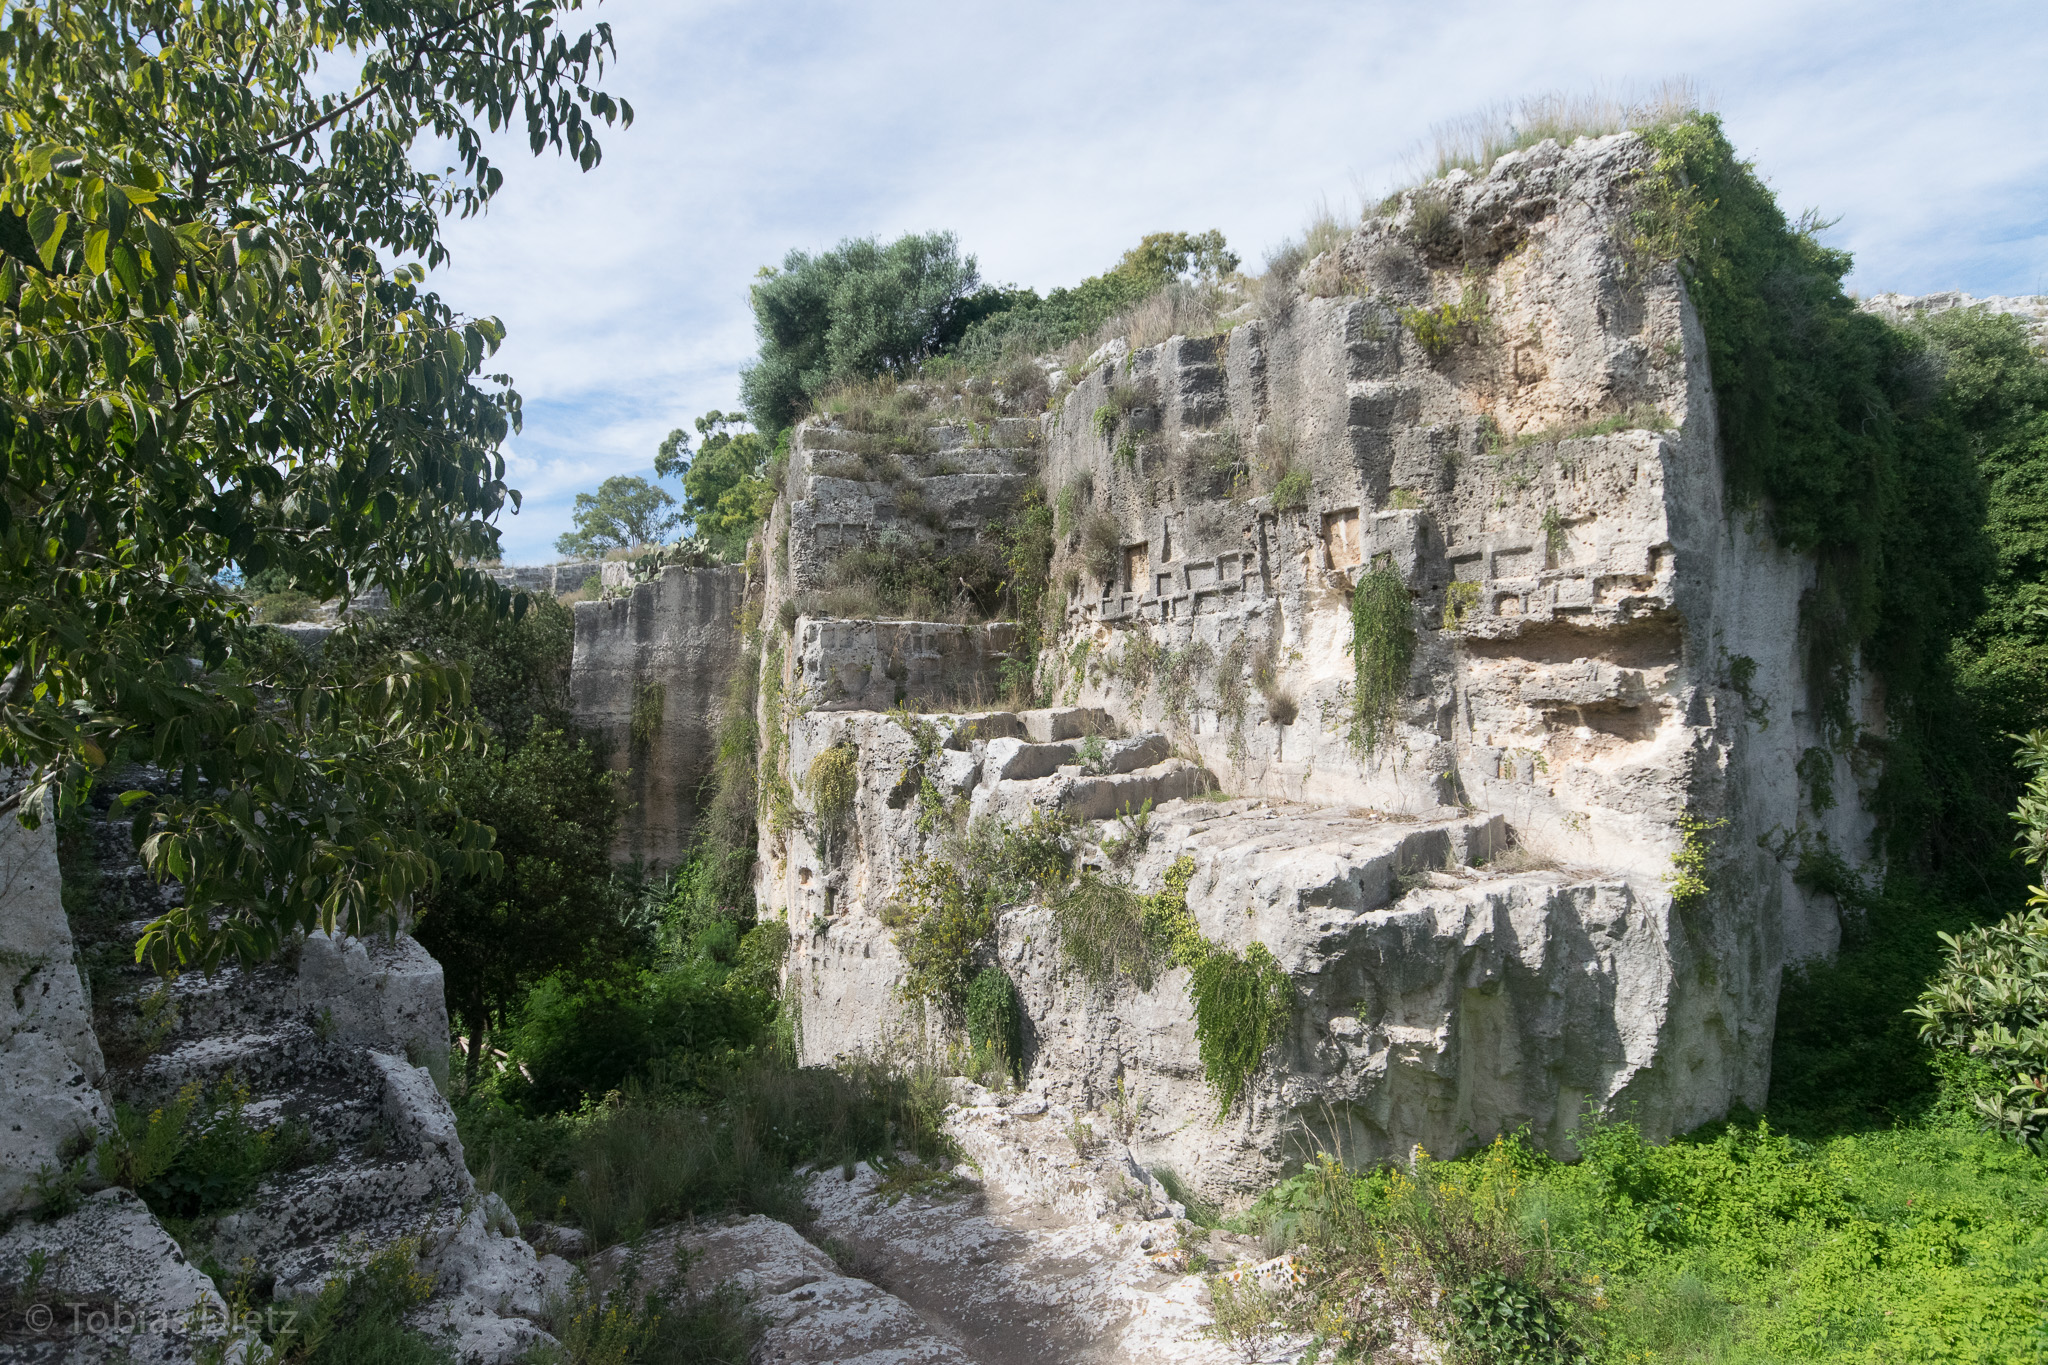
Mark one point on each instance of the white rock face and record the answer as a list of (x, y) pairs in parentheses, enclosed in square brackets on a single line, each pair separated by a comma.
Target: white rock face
[(51, 1071), (1604, 651), (340, 1038), (117, 1286)]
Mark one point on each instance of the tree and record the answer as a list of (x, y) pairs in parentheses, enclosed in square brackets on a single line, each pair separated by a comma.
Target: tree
[(726, 493), (220, 359), (555, 810), (856, 311), (625, 511)]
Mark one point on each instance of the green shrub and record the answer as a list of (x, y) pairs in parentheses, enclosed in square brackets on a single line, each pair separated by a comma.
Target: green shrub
[(197, 1154), (1382, 652), (833, 781), (657, 1154), (1439, 328), (1290, 494), (995, 1019), (1241, 1004), (1102, 930), (944, 913), (284, 607), (665, 1323), (579, 1038), (1990, 1000)]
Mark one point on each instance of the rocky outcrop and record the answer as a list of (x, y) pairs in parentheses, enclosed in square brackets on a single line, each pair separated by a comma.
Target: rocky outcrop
[(333, 1048), (1490, 396), (649, 675), (51, 1069)]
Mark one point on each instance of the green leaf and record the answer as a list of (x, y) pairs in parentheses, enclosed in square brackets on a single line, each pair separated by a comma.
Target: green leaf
[(96, 250), (46, 229)]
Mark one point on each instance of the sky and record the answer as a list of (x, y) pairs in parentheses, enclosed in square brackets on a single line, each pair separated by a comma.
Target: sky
[(1050, 137)]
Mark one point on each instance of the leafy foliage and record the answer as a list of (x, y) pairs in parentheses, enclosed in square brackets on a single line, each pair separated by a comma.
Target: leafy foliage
[(1836, 425), (1382, 652), (859, 310), (626, 511), (196, 1154), (1990, 1002), (726, 489), (214, 369), (1029, 325), (946, 903), (656, 1154), (995, 1020)]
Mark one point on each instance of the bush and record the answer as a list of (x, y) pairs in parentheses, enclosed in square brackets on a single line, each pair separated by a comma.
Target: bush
[(284, 607), (656, 1154), (1382, 652), (1102, 930), (664, 1324), (578, 1039), (860, 310), (995, 1021), (197, 1154)]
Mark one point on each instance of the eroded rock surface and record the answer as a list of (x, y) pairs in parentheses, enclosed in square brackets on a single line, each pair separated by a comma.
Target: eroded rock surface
[(1488, 394)]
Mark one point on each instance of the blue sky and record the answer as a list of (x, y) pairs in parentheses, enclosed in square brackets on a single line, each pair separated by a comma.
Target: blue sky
[(1052, 136)]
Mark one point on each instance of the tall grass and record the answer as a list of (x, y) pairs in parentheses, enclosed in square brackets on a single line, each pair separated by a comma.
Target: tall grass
[(1475, 141), (648, 1157)]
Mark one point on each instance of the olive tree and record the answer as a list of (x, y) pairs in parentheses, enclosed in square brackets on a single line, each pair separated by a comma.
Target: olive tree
[(219, 358)]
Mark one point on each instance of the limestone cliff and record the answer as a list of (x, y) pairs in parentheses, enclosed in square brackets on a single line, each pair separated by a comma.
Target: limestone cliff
[(1490, 393)]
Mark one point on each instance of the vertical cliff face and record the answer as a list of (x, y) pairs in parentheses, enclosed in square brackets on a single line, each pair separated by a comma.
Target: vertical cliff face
[(1479, 441), (649, 674)]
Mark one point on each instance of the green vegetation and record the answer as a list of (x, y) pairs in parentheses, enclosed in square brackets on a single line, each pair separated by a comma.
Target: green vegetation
[(624, 513), (1030, 325), (729, 1142), (995, 1020), (1382, 652), (663, 1323), (205, 389), (728, 488), (860, 310), (946, 903), (1836, 426), (197, 1154), (1443, 326)]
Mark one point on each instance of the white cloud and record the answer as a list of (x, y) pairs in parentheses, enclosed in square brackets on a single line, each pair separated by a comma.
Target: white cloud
[(1050, 137)]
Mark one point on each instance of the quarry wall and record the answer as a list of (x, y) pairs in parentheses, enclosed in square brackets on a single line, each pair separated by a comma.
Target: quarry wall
[(649, 675), (1488, 393)]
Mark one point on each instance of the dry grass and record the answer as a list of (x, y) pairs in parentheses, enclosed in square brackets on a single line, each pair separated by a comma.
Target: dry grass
[(1473, 143)]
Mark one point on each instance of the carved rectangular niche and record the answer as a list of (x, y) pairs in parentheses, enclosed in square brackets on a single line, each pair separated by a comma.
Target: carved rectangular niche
[(1341, 538), (1135, 559)]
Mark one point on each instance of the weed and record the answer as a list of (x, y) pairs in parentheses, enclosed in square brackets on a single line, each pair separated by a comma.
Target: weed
[(1101, 928), (1081, 1133), (1382, 652), (1687, 879), (1127, 1108), (995, 1020), (1461, 599), (1102, 547), (650, 699), (1404, 500), (1290, 494), (832, 783), (1440, 328), (1136, 837)]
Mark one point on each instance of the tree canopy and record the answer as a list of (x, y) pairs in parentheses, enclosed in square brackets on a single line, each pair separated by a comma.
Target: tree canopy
[(220, 359), (860, 309), (726, 492), (625, 511)]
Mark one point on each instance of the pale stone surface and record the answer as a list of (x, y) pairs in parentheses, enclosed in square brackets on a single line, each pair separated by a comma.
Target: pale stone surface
[(874, 665), (666, 649), (815, 1313), (51, 1071), (326, 1036), (112, 1271), (1603, 650), (2030, 309)]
